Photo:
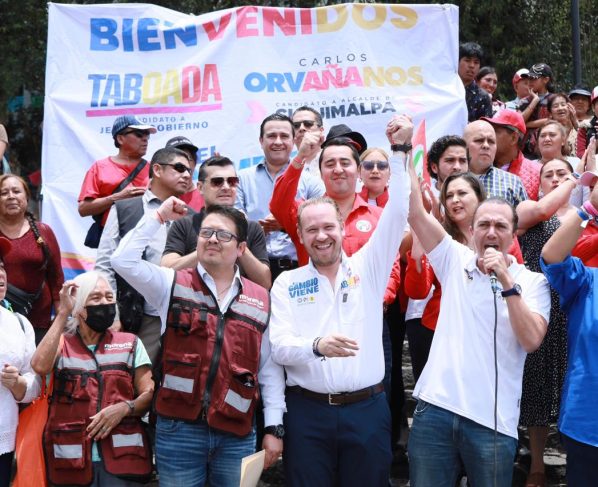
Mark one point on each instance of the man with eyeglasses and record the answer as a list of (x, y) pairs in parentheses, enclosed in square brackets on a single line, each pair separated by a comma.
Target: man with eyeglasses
[(256, 184), (218, 183), (170, 174), (216, 351), (131, 137), (307, 120)]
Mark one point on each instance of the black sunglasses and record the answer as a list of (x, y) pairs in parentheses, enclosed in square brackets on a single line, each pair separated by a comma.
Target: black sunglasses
[(137, 133), (218, 182), (369, 165), (221, 235), (308, 124), (178, 167)]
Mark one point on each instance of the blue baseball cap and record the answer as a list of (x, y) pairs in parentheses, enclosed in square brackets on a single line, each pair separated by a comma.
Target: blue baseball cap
[(131, 121)]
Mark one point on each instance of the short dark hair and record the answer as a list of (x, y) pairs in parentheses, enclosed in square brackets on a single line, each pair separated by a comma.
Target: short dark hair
[(499, 201), (439, 146), (276, 117), (451, 228), (341, 141), (234, 215), (166, 156), (471, 49), (486, 70), (219, 161), (318, 115)]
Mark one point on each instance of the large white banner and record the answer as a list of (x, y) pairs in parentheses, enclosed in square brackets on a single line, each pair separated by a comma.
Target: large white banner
[(214, 77)]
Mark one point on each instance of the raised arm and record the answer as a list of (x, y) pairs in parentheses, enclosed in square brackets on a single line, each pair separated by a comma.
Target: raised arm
[(531, 212), (428, 230), (565, 238), (152, 281)]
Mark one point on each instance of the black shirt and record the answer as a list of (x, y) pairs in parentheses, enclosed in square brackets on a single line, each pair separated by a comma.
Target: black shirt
[(182, 238)]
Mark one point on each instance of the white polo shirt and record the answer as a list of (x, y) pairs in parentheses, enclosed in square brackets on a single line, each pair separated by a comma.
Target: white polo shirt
[(459, 374), (306, 306)]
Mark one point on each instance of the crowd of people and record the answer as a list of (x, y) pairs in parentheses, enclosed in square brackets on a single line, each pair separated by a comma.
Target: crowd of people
[(267, 308)]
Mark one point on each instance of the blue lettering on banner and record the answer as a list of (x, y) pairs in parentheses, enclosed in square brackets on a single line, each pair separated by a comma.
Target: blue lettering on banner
[(311, 286)]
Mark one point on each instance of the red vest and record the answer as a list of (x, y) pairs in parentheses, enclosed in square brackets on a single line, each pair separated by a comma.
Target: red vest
[(85, 383), (210, 361)]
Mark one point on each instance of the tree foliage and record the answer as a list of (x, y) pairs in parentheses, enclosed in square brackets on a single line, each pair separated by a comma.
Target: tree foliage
[(513, 33)]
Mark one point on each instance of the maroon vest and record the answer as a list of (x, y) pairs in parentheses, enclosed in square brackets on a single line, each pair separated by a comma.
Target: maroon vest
[(210, 361), (85, 383)]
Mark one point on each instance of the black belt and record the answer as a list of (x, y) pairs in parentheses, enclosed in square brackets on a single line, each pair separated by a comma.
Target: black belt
[(283, 263), (340, 398)]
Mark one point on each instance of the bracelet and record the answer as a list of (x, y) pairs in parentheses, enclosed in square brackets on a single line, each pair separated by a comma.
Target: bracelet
[(406, 147), (297, 160), (314, 347), (160, 219), (583, 214), (589, 208)]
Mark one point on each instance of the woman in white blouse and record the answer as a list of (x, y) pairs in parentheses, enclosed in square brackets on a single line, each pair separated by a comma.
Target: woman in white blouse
[(18, 382)]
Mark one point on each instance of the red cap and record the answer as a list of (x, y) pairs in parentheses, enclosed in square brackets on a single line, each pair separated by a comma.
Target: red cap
[(594, 96), (508, 118), (521, 73)]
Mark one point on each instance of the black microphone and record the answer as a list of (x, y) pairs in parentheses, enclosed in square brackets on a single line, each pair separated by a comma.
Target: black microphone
[(493, 282)]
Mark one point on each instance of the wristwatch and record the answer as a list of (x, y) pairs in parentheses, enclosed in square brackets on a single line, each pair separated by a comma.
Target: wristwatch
[(401, 147), (131, 405), (514, 291), (277, 431)]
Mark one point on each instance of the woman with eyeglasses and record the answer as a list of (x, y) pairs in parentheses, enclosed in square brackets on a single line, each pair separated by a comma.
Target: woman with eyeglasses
[(118, 177), (374, 172)]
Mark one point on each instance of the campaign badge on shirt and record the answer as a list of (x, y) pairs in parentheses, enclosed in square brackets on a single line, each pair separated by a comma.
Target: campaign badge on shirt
[(350, 283), (363, 226), (304, 292)]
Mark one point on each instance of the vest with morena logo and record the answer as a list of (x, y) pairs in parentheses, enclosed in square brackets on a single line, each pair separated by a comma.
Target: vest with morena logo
[(210, 360), (86, 382)]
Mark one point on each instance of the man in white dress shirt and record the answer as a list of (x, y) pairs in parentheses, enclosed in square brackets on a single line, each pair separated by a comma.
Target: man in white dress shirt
[(326, 329)]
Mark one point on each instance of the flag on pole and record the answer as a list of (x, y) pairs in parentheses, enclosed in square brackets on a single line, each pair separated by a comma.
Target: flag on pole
[(420, 157)]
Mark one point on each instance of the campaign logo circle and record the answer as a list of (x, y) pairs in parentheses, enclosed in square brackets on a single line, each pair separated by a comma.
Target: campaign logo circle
[(363, 226)]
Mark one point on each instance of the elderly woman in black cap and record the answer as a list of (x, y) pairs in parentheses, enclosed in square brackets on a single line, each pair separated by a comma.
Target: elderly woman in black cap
[(18, 383)]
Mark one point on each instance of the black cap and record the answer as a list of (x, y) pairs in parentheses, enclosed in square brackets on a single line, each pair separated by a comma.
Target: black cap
[(342, 130), (580, 90), (540, 70), (181, 142)]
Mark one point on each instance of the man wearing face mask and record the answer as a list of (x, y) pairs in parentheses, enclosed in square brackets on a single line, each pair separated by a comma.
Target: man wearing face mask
[(102, 386)]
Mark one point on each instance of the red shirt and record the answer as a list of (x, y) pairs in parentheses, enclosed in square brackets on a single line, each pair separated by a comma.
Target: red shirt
[(529, 172), (104, 176), (380, 200), (359, 225), (23, 270), (586, 247), (194, 199)]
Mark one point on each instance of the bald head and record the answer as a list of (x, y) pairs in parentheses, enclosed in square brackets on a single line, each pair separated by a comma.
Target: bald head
[(481, 145)]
